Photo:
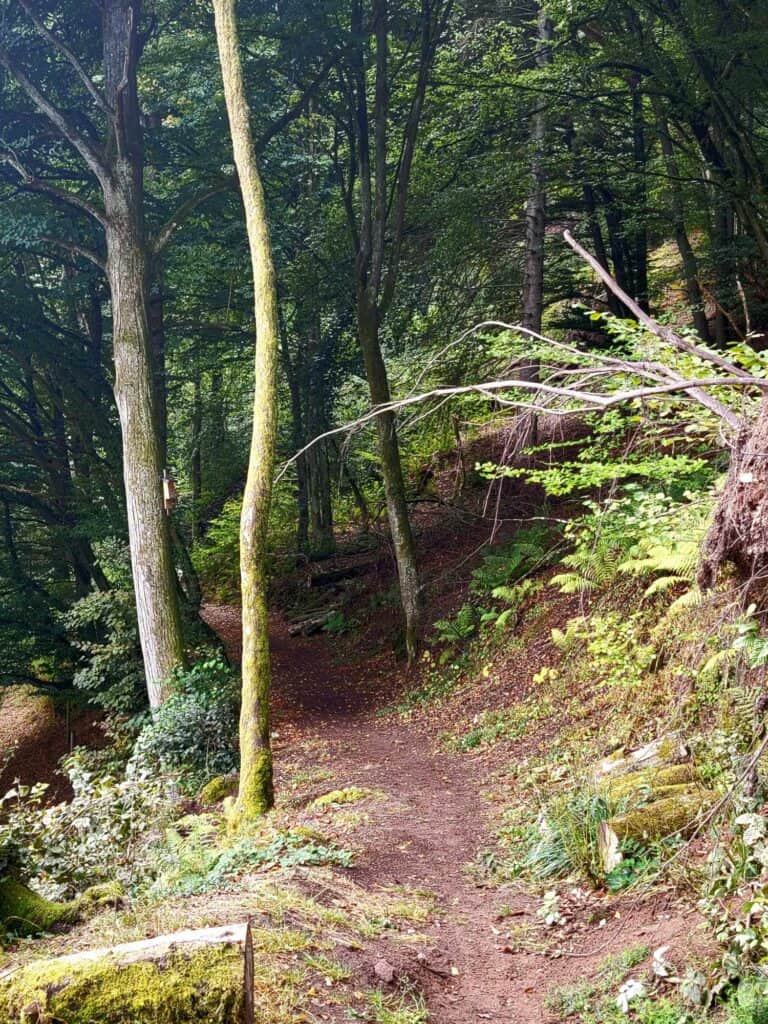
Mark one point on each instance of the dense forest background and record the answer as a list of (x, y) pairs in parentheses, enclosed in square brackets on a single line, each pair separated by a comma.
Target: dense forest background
[(639, 127)]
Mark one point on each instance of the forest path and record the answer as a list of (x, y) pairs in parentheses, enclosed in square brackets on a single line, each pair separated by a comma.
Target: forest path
[(423, 836)]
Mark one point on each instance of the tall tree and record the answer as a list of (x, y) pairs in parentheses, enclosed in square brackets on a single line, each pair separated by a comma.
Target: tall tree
[(536, 207), (116, 164), (255, 794), (390, 52)]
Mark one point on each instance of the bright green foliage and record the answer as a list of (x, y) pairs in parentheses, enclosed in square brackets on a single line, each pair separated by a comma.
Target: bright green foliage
[(192, 737), (570, 477), (749, 1004), (102, 833), (217, 558), (197, 856), (643, 533), (102, 627), (567, 840)]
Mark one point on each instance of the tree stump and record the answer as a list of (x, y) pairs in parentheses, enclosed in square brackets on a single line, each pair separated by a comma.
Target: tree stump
[(200, 977)]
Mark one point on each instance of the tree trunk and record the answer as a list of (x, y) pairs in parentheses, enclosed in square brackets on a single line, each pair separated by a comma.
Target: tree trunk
[(535, 210), (196, 460), (392, 473), (127, 271), (684, 247), (641, 193), (153, 575), (255, 794), (323, 542)]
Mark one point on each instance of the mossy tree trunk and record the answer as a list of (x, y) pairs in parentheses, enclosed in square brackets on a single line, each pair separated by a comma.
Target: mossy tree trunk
[(255, 795), (392, 474)]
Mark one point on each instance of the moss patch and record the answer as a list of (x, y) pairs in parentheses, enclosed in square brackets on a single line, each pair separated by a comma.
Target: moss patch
[(350, 795), (217, 789)]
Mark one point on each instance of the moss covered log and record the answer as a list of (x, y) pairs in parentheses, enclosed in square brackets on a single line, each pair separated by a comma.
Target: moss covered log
[(650, 784), (193, 977), (673, 814), (660, 753), (220, 787)]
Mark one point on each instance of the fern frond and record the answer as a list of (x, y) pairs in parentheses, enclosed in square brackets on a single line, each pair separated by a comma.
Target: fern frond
[(664, 583), (573, 583), (692, 598)]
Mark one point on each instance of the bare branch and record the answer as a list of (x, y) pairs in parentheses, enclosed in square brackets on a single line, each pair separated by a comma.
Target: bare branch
[(61, 122), (590, 401), (297, 109), (665, 333), (58, 44), (167, 231), (29, 181), (75, 250)]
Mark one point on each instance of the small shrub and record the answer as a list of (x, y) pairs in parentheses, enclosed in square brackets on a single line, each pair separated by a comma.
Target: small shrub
[(102, 626), (567, 841), (750, 1003), (193, 735), (105, 832), (217, 558), (196, 858)]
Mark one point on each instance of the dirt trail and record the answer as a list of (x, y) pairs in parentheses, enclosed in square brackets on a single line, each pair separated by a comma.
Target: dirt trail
[(423, 835), (426, 834)]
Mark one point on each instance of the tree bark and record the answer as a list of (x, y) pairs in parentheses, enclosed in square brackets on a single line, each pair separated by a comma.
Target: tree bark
[(535, 210), (684, 247), (255, 795), (392, 473)]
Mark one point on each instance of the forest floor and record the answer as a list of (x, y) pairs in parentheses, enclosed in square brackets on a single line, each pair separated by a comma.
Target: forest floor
[(421, 911)]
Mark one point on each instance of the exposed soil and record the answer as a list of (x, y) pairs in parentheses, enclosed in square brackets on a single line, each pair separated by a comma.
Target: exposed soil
[(479, 965), (35, 733)]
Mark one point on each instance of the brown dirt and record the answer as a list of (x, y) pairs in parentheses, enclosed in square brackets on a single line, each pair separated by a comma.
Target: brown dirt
[(478, 965), (35, 734)]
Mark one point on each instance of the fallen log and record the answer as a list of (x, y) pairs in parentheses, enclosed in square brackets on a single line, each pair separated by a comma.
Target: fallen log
[(199, 977), (648, 784), (659, 753), (676, 814), (314, 623), (325, 579)]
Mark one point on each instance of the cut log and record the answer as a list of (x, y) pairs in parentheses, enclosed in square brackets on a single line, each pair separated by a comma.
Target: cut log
[(650, 784), (677, 814), (314, 623), (659, 753), (199, 977), (325, 579)]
